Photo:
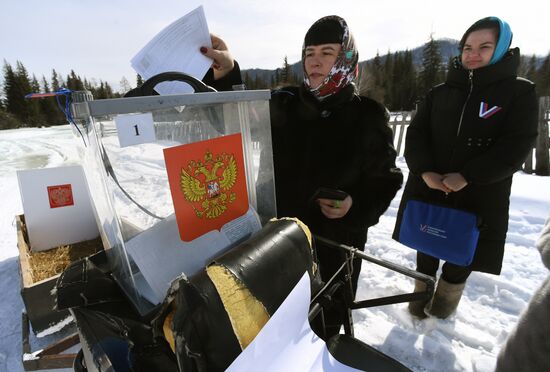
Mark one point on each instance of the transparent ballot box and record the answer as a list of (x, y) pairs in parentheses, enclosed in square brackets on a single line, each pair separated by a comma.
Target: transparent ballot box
[(176, 180)]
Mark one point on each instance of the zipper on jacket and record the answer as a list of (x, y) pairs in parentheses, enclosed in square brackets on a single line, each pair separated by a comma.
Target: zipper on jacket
[(471, 79)]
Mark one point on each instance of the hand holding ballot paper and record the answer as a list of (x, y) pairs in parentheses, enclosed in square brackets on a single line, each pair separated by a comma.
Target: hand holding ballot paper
[(176, 48), (223, 62)]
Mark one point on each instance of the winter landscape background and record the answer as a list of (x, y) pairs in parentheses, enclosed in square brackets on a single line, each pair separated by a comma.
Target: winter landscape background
[(468, 341)]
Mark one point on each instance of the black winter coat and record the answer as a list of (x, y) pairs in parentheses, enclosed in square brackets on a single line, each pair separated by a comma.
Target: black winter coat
[(481, 123), (344, 143)]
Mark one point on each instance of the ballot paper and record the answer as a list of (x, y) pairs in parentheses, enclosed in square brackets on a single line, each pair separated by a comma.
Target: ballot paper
[(161, 255), (176, 48), (287, 343)]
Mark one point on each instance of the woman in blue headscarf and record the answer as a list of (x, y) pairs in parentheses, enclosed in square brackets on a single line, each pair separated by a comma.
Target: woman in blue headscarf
[(463, 146)]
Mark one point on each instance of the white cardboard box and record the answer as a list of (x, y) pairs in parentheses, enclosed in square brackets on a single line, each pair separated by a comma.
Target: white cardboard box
[(57, 206)]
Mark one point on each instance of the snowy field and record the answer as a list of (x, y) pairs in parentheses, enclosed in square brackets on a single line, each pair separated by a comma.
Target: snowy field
[(468, 341)]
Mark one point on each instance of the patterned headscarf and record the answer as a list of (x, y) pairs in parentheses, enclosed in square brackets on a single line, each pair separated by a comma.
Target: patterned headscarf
[(345, 67)]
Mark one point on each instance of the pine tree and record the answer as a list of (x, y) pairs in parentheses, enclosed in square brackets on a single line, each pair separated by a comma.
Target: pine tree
[(378, 90), (139, 81), (430, 73), (100, 92), (74, 82), (108, 90), (9, 87), (286, 73), (35, 87), (11, 102), (396, 83), (36, 117), (388, 78), (531, 71), (55, 81), (48, 107), (25, 110), (543, 77), (404, 84), (36, 105), (410, 95)]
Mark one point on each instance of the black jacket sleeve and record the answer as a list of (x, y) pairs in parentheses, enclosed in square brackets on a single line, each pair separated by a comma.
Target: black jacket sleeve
[(380, 178), (225, 83), (508, 153), (418, 153)]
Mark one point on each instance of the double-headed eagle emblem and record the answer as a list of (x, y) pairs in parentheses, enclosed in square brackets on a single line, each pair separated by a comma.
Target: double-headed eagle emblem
[(207, 184)]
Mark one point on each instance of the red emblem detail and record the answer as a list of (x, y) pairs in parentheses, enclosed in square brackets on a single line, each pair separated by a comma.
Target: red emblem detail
[(60, 195)]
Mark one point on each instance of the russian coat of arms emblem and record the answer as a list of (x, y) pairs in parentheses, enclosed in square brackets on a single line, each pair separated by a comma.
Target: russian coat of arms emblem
[(208, 184), (60, 196)]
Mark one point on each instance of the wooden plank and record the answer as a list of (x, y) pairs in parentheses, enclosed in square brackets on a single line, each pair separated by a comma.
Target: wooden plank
[(60, 345), (401, 135), (24, 250), (50, 362), (25, 333), (50, 357), (393, 127), (398, 127), (528, 165)]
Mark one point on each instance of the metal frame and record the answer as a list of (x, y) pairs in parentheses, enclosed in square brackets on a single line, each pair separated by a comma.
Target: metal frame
[(325, 295), (50, 357), (116, 106)]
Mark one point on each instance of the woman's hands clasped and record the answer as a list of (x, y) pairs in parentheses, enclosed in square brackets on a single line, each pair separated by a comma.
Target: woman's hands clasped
[(449, 182)]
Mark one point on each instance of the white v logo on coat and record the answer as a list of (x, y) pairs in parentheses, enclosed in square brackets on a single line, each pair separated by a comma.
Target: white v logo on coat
[(485, 113)]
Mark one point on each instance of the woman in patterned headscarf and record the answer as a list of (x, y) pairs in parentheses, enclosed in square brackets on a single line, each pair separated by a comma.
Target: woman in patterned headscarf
[(326, 136)]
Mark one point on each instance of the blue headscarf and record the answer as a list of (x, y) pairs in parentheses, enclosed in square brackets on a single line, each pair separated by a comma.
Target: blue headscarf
[(504, 40), (504, 36)]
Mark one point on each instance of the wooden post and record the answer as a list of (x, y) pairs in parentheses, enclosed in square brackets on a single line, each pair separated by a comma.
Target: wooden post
[(400, 126), (528, 165), (401, 132), (542, 167)]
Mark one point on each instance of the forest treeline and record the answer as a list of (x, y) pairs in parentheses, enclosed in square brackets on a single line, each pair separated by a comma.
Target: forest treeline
[(393, 79)]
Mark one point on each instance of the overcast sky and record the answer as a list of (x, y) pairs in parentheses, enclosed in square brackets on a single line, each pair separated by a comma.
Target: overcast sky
[(97, 38)]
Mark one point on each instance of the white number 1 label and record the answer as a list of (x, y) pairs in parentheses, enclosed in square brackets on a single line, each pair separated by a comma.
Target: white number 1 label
[(135, 129)]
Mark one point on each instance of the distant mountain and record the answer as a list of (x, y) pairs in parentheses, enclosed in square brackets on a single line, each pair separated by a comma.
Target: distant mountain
[(447, 47)]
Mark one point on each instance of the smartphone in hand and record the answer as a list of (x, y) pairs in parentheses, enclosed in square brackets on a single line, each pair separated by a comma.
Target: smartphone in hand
[(328, 193)]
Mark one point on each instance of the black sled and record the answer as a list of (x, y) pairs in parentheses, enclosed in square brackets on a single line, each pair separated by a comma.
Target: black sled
[(114, 337)]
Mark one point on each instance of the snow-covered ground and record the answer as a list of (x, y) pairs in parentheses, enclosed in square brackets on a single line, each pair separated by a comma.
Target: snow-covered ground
[(467, 341)]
